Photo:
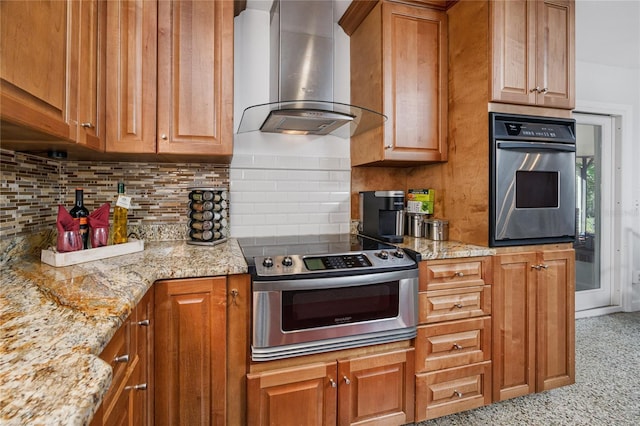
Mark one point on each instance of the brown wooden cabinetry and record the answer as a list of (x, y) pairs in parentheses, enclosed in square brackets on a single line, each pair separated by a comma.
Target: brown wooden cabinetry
[(52, 72), (190, 351), (533, 45), (129, 400), (170, 85), (369, 389), (399, 67), (534, 322), (453, 346)]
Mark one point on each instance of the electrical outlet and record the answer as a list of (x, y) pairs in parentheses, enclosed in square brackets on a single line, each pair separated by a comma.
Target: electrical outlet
[(636, 277)]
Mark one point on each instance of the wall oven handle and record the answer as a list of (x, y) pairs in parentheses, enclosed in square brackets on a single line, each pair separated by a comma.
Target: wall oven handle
[(546, 146)]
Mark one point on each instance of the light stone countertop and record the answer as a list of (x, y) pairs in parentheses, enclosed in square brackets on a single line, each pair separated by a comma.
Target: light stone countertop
[(431, 249), (56, 321)]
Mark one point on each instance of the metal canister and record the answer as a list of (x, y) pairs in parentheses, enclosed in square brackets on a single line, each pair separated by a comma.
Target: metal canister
[(415, 224), (437, 229)]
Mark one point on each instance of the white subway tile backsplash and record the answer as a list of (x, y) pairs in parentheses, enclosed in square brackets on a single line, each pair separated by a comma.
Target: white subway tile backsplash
[(289, 193)]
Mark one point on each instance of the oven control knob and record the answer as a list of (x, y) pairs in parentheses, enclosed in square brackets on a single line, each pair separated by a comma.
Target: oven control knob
[(267, 262), (287, 261), (383, 254), (399, 254)]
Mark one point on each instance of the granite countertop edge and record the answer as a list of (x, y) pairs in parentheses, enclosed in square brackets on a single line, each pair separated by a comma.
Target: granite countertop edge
[(56, 322)]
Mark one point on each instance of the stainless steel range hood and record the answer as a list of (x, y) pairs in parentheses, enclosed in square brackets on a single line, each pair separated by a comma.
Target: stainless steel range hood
[(301, 77)]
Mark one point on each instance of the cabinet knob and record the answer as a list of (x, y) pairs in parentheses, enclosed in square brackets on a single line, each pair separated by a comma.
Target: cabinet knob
[(457, 393), (87, 125), (544, 90), (535, 89), (458, 274), (144, 323), (121, 358), (388, 146), (346, 380), (333, 383), (458, 305), (163, 137), (142, 386), (457, 346)]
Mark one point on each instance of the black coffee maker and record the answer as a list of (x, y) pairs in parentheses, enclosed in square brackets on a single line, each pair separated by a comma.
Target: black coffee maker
[(382, 215)]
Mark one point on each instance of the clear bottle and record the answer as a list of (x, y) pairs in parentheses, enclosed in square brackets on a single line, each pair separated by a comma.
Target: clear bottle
[(120, 212), (80, 213)]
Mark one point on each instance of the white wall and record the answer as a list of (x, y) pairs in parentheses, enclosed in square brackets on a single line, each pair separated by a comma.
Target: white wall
[(608, 81), (283, 184)]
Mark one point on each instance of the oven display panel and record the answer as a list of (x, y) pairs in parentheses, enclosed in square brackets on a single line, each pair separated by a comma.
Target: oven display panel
[(321, 263)]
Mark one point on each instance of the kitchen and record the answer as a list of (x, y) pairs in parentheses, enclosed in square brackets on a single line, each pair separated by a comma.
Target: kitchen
[(281, 170)]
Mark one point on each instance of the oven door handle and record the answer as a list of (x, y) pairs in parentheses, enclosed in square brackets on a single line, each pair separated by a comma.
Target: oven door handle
[(543, 146)]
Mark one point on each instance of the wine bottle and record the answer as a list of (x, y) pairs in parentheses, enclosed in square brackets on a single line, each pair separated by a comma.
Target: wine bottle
[(80, 213), (120, 212)]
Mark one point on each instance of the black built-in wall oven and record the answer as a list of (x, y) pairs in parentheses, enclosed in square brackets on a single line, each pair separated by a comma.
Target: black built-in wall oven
[(532, 180)]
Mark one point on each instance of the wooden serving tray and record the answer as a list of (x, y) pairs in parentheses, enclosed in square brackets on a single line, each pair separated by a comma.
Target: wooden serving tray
[(56, 259)]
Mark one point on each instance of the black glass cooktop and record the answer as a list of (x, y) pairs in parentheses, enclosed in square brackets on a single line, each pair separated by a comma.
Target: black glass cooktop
[(307, 245)]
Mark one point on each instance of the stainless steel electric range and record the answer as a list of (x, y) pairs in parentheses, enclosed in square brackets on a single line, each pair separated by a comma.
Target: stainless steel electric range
[(319, 293)]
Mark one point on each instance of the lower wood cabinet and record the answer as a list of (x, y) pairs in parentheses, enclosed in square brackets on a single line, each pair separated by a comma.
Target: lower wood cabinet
[(534, 322), (190, 351), (453, 345), (129, 400), (373, 389)]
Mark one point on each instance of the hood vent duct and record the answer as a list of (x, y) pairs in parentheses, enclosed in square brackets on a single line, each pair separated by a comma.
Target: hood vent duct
[(301, 77)]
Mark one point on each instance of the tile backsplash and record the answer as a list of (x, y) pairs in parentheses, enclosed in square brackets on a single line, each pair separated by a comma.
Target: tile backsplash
[(31, 187)]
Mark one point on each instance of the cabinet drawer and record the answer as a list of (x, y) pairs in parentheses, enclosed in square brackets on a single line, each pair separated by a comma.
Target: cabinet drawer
[(118, 355), (453, 344), (453, 390), (445, 305), (441, 275)]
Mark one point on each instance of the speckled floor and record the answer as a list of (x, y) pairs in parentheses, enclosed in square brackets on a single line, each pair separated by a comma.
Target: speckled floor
[(606, 392)]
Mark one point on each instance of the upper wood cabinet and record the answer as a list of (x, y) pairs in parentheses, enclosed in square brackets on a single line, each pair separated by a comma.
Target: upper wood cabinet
[(170, 81), (533, 50), (52, 70), (399, 67)]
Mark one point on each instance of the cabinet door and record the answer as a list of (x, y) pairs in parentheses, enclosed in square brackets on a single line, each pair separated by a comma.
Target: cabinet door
[(513, 44), (377, 389), (195, 83), (556, 319), (36, 64), (399, 66), (514, 320), (132, 33), (190, 351), (304, 395), (142, 387), (89, 84), (555, 53)]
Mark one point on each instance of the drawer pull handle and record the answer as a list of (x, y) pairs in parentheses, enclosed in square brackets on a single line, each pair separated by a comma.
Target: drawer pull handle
[(121, 358), (142, 386), (458, 274), (457, 346), (346, 380), (86, 125), (457, 393), (333, 383), (144, 323), (458, 305), (540, 266)]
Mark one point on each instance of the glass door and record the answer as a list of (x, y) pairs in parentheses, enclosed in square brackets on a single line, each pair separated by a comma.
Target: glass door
[(594, 207)]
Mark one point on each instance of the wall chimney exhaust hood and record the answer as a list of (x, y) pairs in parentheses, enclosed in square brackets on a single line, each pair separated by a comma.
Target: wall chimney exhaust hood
[(301, 77)]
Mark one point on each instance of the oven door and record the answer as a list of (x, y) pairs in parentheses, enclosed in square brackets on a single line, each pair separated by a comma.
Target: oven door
[(302, 316), (533, 194)]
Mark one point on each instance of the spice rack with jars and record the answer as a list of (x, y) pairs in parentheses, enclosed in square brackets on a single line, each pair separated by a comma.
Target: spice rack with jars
[(208, 213)]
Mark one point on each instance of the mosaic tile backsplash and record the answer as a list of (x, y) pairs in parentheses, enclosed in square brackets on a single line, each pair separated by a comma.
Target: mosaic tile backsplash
[(31, 188)]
